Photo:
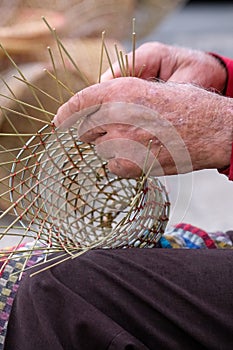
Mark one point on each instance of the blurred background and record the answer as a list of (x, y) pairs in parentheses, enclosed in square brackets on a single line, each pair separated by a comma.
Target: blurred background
[(205, 198)]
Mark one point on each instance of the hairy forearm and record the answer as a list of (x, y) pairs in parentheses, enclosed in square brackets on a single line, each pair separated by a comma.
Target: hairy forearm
[(204, 121), (214, 142)]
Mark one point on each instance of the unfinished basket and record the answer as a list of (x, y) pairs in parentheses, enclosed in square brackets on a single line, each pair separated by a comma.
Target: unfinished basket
[(57, 192)]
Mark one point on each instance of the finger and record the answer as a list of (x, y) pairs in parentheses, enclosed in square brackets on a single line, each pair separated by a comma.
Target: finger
[(185, 75), (138, 65), (124, 168), (128, 158), (82, 104), (90, 133), (118, 118), (118, 70), (195, 76), (202, 70), (113, 72)]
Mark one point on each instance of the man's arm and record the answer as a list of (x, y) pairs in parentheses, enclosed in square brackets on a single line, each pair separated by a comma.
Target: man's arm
[(125, 116)]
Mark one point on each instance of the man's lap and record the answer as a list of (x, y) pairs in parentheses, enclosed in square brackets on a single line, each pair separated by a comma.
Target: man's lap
[(165, 298)]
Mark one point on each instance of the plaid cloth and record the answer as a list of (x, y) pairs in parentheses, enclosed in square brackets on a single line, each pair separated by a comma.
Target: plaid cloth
[(181, 236), (9, 283)]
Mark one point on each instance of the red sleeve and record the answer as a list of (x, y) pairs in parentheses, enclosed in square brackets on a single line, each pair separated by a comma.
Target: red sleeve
[(228, 64)]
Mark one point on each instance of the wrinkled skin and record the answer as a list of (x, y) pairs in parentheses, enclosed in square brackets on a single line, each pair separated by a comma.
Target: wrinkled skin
[(175, 127)]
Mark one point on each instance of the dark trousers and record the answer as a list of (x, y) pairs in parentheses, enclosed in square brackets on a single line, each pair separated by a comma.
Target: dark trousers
[(127, 299)]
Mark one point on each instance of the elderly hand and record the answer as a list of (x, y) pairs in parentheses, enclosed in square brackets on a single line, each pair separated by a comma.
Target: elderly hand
[(128, 119), (170, 63)]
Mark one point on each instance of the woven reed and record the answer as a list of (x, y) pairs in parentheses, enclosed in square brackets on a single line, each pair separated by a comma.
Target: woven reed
[(56, 189), (63, 197)]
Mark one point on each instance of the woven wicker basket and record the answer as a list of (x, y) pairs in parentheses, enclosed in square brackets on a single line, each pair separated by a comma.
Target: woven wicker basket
[(85, 18)]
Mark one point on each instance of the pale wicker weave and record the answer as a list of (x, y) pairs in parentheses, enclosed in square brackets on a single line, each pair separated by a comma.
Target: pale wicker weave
[(56, 189)]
